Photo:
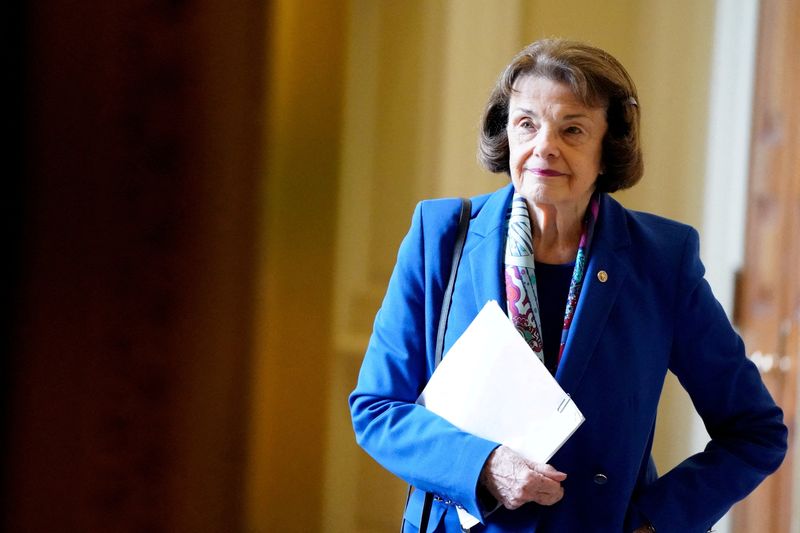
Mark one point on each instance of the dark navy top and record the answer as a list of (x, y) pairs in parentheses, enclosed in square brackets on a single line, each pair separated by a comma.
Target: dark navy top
[(552, 286)]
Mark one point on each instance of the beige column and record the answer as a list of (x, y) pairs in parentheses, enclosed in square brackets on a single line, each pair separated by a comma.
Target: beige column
[(479, 38)]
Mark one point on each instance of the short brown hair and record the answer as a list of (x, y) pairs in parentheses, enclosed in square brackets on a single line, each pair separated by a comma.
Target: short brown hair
[(598, 80)]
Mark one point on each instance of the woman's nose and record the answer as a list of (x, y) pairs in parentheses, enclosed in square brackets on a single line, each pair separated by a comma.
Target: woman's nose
[(546, 144)]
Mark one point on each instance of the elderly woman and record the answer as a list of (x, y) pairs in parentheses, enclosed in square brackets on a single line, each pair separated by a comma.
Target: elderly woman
[(608, 298)]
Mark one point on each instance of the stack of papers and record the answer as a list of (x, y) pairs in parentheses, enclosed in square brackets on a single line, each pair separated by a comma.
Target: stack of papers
[(491, 384)]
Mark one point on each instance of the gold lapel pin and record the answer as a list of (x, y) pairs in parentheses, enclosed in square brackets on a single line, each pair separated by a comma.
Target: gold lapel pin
[(602, 276)]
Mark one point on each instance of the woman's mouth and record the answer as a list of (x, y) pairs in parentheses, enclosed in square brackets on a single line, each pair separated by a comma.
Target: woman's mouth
[(545, 172)]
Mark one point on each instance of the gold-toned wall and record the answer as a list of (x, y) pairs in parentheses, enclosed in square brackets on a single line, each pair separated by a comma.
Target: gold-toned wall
[(293, 319), (412, 80)]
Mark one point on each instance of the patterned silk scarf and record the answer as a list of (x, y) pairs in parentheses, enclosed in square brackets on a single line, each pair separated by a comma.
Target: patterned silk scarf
[(521, 295)]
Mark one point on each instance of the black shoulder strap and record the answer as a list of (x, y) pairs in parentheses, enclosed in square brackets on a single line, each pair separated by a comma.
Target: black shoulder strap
[(447, 299)]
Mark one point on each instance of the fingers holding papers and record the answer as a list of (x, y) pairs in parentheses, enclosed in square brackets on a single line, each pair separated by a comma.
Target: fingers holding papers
[(514, 481)]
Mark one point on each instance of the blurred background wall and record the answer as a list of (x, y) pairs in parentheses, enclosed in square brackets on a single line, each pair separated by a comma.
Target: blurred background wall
[(209, 202), (135, 203)]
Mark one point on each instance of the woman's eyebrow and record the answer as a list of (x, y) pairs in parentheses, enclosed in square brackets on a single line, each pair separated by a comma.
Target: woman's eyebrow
[(523, 110), (532, 113)]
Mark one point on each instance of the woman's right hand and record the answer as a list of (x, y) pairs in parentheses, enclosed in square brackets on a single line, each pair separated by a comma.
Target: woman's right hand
[(515, 481)]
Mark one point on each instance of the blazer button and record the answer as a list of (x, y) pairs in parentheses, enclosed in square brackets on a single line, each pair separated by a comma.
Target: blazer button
[(600, 479), (602, 276)]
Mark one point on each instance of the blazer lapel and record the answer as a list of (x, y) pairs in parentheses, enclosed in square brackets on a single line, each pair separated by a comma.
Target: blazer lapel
[(486, 256), (609, 255)]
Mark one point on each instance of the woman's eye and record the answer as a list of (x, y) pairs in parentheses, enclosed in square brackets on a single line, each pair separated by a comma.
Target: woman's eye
[(526, 125), (573, 130)]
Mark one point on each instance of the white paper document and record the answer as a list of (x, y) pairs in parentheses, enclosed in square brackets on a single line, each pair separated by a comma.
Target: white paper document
[(491, 384)]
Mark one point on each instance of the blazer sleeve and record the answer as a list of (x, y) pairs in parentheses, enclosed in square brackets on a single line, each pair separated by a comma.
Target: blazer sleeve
[(408, 440), (748, 437)]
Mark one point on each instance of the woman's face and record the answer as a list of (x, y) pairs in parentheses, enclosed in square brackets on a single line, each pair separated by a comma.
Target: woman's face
[(555, 143)]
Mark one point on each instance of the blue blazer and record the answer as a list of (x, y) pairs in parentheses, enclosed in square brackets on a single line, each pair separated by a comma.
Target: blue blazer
[(655, 312)]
